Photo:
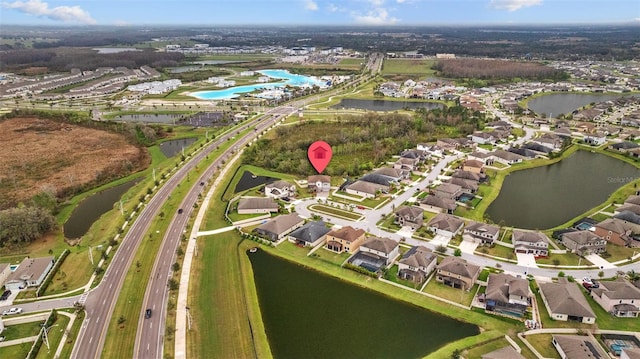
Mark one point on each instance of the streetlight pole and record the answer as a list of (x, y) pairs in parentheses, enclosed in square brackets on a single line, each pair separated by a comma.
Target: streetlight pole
[(45, 338)]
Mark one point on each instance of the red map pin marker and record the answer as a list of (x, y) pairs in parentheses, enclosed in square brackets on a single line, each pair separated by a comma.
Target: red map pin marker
[(319, 154)]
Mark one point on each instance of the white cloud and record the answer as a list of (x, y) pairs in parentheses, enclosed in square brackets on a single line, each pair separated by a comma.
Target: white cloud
[(377, 16), (311, 5), (513, 5), (376, 3), (400, 1), (58, 13), (332, 8)]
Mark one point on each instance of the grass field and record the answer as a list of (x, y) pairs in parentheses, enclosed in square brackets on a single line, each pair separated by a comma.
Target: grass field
[(542, 343), (456, 295), (408, 67), (335, 212)]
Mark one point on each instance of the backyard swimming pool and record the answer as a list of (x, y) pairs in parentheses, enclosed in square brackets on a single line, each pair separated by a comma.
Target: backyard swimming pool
[(233, 92)]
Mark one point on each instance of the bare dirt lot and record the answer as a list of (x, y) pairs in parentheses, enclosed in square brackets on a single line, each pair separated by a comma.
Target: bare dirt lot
[(43, 155)]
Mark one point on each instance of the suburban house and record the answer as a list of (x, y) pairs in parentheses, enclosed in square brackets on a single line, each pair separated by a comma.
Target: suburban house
[(383, 247), (448, 190), (445, 225), (614, 231), (564, 301), (416, 264), (411, 216), (534, 243), (506, 157), (630, 219), (253, 205), (628, 207), (483, 157), (486, 233), (30, 273), (584, 242), (393, 174), (457, 273), (346, 239), (577, 346), (550, 140), (624, 146), (5, 271), (596, 138), (319, 184), (618, 297), (467, 185), (438, 205), (630, 353), (508, 294), (478, 177), (310, 235), (483, 138), (366, 189), (279, 189), (474, 166), (503, 353), (407, 164), (278, 228)]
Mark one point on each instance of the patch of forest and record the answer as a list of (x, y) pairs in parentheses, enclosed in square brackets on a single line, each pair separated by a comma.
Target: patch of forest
[(359, 143), (67, 58), (497, 70)]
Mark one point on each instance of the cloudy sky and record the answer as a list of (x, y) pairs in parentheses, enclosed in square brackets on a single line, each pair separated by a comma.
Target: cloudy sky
[(331, 12)]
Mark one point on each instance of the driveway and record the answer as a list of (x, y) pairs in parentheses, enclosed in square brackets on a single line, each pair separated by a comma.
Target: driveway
[(439, 239), (599, 261), (469, 244), (526, 260)]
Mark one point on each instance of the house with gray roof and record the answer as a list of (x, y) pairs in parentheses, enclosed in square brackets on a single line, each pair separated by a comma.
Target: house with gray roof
[(503, 353), (310, 235), (438, 205), (506, 157), (457, 273), (584, 242), (366, 189), (319, 184), (628, 207), (467, 185), (535, 243), (279, 189), (410, 216), (507, 294), (447, 190), (614, 230), (416, 264), (251, 205), (383, 247), (618, 297), (393, 174), (277, 228), (486, 233), (30, 273), (578, 347), (407, 164), (478, 177), (564, 301), (445, 224)]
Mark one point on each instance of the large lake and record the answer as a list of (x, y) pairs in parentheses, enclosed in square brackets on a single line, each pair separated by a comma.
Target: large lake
[(310, 315), (547, 196), (385, 105), (557, 104)]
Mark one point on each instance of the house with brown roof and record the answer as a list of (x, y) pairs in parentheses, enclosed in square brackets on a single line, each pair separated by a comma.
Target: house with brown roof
[(486, 233), (474, 166), (393, 174), (383, 247), (506, 157), (447, 190), (535, 243), (30, 273), (416, 264), (467, 185), (366, 189), (630, 353), (614, 231), (277, 228), (584, 242), (407, 164), (578, 347), (279, 189), (618, 297), (251, 205), (478, 177), (346, 239), (438, 205), (445, 225), (5, 271), (410, 216), (457, 273), (319, 184), (564, 301), (507, 294)]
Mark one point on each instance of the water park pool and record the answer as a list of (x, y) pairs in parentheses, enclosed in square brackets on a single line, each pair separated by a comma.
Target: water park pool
[(233, 92)]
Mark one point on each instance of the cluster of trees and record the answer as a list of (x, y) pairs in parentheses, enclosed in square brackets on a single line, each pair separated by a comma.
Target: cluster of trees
[(359, 143), (496, 69), (65, 59), (23, 225)]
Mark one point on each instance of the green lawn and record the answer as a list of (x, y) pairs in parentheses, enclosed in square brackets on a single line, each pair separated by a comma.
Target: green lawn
[(478, 351), (16, 351), (352, 61), (54, 336), (456, 295), (542, 343), (498, 251), (335, 212), (618, 253), (408, 66), (568, 259), (330, 257), (18, 331), (391, 274)]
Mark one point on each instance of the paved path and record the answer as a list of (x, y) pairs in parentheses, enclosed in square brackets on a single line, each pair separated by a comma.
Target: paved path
[(599, 261), (526, 260)]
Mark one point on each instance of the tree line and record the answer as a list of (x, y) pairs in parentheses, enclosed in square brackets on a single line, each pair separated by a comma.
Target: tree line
[(23, 225), (497, 69)]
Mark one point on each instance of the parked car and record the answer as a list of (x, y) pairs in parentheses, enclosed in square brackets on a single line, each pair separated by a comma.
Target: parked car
[(5, 295), (15, 310)]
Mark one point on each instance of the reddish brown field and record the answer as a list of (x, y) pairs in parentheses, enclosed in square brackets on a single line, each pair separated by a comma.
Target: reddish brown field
[(43, 155)]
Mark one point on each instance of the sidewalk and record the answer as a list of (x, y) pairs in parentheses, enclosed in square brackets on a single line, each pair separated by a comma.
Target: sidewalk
[(599, 261)]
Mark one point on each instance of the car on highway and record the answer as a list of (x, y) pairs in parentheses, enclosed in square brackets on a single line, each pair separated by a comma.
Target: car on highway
[(14, 310), (147, 314)]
